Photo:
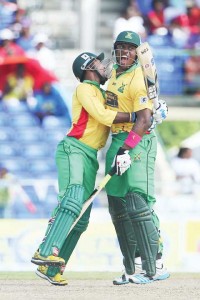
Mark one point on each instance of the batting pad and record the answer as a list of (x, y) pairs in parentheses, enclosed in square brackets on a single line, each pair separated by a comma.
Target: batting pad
[(71, 241), (145, 231), (69, 209), (124, 231)]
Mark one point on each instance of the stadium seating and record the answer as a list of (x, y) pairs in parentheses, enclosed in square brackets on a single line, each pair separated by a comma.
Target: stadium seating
[(27, 148), (170, 72)]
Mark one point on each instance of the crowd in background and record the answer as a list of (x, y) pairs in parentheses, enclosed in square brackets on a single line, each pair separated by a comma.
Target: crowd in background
[(29, 89), (167, 24), (27, 65), (178, 22)]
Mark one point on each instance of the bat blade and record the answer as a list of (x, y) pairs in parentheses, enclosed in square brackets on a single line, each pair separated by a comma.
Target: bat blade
[(147, 63)]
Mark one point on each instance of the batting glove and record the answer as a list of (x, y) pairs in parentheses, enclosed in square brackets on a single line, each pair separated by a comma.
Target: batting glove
[(122, 161), (161, 112)]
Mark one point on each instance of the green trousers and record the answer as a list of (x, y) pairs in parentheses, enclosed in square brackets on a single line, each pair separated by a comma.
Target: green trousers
[(139, 178), (77, 165)]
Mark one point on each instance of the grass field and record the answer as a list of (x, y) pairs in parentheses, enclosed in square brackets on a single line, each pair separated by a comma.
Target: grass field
[(97, 286), (71, 275), (84, 275)]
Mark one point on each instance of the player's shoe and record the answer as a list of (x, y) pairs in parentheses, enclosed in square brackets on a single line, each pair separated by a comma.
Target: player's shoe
[(55, 280), (161, 274), (123, 279), (140, 276), (50, 260)]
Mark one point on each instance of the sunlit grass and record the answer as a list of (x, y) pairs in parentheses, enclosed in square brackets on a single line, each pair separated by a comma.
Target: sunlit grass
[(83, 275)]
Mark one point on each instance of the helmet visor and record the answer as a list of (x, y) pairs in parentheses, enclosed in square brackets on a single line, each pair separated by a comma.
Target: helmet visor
[(124, 57), (103, 67)]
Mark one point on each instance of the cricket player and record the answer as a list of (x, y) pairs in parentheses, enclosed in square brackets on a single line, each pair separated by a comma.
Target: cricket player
[(131, 196), (76, 159)]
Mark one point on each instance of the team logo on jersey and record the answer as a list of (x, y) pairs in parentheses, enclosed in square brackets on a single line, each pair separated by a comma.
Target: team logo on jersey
[(143, 100), (137, 157), (111, 99), (121, 88)]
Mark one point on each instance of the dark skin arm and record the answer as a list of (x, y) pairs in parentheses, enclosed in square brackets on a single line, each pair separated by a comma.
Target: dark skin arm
[(122, 117), (142, 124)]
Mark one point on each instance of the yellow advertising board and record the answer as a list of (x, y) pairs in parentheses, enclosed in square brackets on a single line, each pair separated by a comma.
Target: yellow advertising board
[(98, 248)]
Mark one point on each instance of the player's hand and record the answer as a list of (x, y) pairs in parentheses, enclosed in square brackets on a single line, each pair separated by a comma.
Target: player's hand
[(161, 112), (122, 161)]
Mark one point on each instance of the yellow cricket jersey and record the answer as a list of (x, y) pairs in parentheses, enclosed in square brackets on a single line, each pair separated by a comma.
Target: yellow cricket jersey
[(91, 121), (127, 93)]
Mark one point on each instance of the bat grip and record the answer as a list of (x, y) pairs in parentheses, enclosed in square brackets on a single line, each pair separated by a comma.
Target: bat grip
[(155, 102), (112, 171)]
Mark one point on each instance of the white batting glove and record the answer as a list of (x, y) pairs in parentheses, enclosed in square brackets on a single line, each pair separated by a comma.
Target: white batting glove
[(161, 112), (122, 161)]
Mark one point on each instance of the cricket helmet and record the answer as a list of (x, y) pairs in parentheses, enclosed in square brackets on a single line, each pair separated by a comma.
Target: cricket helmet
[(82, 61), (129, 37)]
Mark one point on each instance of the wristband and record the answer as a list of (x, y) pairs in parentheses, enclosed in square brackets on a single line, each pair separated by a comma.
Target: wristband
[(132, 139), (132, 117)]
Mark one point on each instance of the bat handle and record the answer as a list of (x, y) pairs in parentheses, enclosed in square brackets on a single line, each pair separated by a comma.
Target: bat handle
[(155, 102), (112, 171)]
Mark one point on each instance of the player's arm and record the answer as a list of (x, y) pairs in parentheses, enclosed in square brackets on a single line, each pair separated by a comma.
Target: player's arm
[(122, 117), (140, 127), (97, 110)]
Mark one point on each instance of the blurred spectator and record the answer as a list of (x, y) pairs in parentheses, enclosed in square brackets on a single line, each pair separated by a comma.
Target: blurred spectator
[(130, 19), (192, 74), (179, 30), (7, 13), (19, 85), (9, 48), (42, 53), (194, 19), (171, 12), (194, 26), (48, 101), (187, 170), (156, 18), (10, 192), (25, 40), (16, 25)]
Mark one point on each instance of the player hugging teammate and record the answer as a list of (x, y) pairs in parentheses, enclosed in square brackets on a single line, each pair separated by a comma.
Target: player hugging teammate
[(128, 111)]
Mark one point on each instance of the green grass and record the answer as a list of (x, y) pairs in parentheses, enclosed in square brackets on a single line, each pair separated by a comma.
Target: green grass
[(83, 275), (71, 275)]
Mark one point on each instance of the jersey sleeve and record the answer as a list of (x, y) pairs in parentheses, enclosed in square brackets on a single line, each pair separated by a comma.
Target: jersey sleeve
[(139, 93), (89, 99)]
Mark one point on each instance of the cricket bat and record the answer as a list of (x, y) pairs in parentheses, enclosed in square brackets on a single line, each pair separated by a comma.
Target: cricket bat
[(147, 63), (93, 195)]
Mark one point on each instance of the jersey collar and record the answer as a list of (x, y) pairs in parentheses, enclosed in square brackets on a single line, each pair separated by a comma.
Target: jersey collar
[(129, 70), (92, 82), (95, 84)]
